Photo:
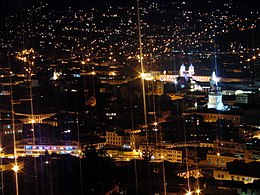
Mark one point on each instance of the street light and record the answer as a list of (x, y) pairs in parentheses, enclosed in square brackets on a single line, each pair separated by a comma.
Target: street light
[(32, 121), (16, 168), (198, 191), (188, 193)]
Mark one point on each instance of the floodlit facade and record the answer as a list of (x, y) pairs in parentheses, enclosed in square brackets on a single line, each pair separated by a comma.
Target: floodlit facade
[(159, 154), (192, 172), (215, 96), (118, 139), (220, 160), (213, 117), (225, 175), (34, 118), (37, 150)]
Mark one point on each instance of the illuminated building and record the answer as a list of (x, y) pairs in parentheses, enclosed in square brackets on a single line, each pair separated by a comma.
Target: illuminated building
[(184, 73), (27, 148), (119, 138), (155, 88), (212, 117), (238, 171), (36, 118), (225, 175), (191, 70), (162, 153), (221, 159), (182, 70), (215, 96), (124, 155), (192, 172)]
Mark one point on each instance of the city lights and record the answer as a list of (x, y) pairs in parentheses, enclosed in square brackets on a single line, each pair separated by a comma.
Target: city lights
[(120, 95)]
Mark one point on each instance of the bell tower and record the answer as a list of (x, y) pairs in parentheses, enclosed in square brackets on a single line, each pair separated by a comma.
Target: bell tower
[(215, 96)]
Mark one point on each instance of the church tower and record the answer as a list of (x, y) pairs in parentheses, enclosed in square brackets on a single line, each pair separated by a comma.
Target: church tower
[(191, 70), (182, 70), (215, 96)]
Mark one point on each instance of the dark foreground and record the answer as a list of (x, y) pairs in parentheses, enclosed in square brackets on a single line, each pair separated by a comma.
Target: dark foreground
[(67, 175)]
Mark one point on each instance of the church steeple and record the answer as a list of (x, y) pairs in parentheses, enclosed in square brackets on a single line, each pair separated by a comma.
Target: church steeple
[(182, 70), (215, 97), (191, 70), (214, 83)]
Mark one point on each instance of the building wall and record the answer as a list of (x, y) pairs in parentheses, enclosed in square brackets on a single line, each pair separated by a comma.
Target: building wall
[(170, 155), (174, 155), (37, 150), (225, 175), (218, 160), (50, 122), (228, 146), (196, 173), (206, 145), (6, 131), (136, 140), (213, 117), (36, 118), (113, 139)]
